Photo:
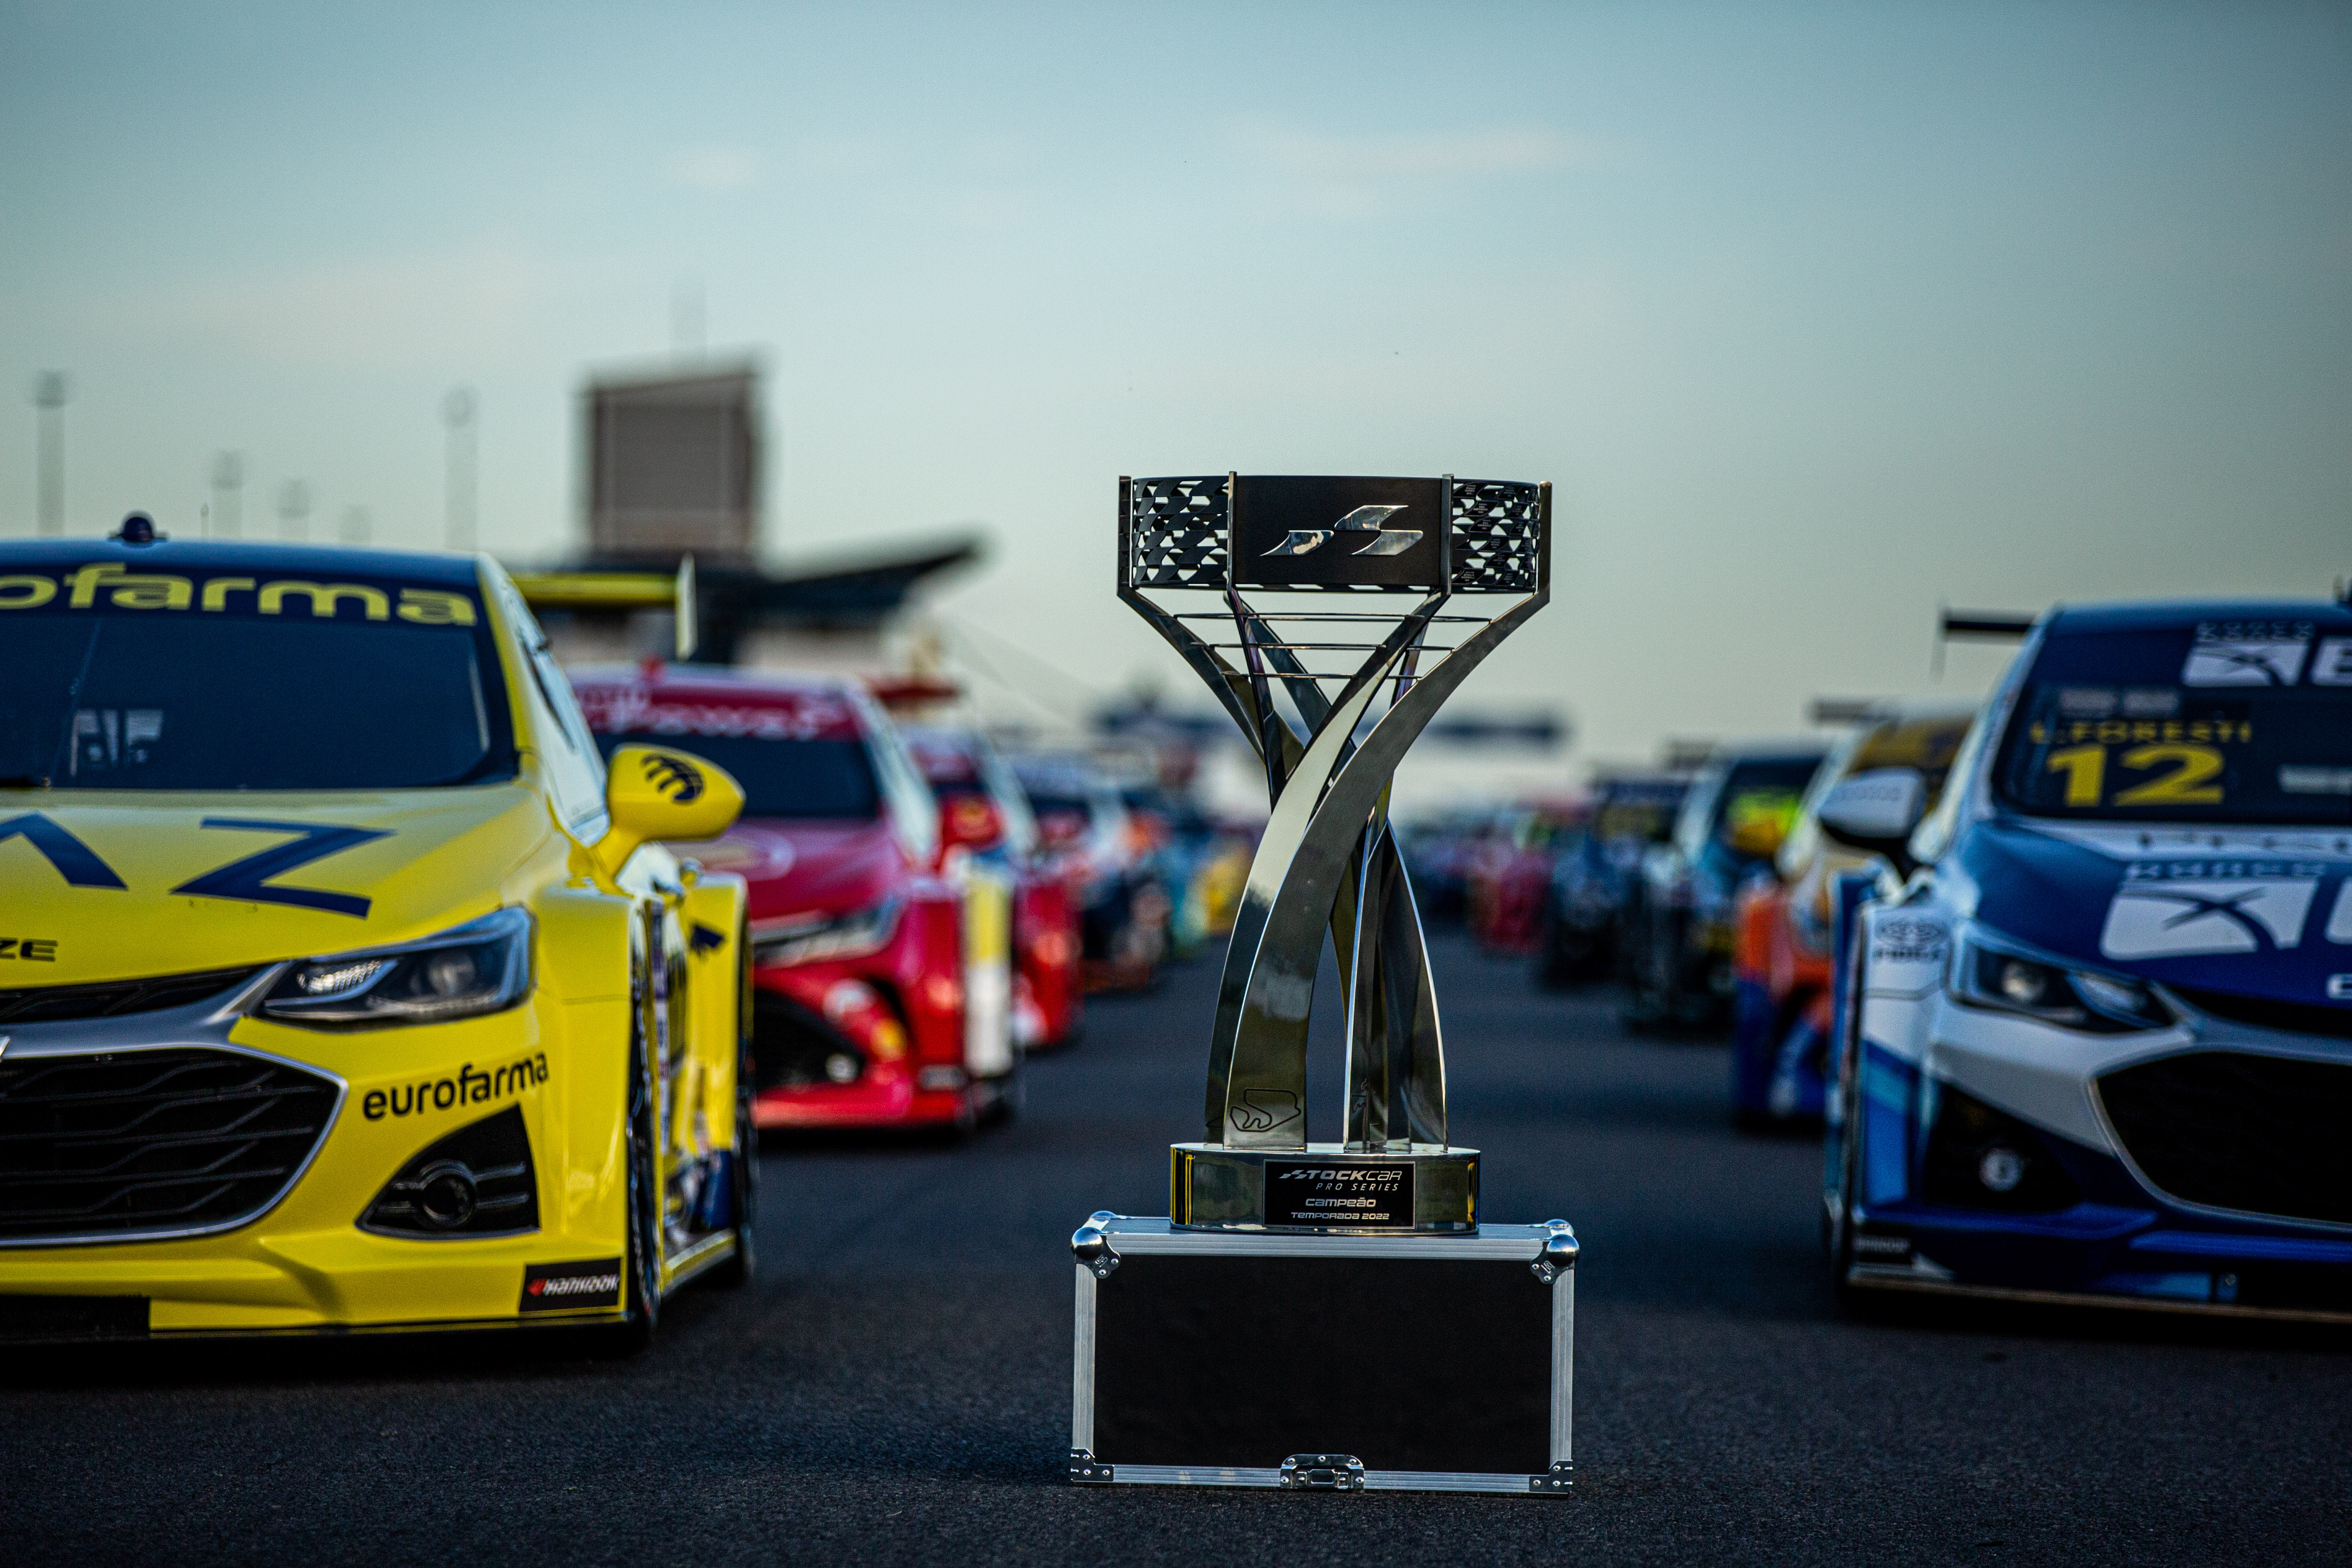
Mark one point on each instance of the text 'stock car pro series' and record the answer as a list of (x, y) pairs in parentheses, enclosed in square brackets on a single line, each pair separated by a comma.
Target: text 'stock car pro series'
[(340, 987), (2100, 1047), (882, 989)]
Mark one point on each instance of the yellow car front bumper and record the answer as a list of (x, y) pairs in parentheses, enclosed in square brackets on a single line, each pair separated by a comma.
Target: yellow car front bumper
[(303, 1261)]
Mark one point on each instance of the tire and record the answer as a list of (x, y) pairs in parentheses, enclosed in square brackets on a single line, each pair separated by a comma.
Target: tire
[(743, 1176), (641, 1259)]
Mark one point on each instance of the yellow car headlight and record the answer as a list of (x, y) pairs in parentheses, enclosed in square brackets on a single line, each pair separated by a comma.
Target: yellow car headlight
[(482, 966)]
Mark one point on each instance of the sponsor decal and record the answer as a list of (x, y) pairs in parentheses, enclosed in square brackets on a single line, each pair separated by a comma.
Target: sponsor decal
[(120, 588), (247, 879), (2339, 919), (34, 948), (2332, 665), (469, 1087), (674, 776), (2247, 653), (76, 862), (1264, 1110), (1909, 942), (562, 1287), (788, 716), (2175, 908), (1365, 1197)]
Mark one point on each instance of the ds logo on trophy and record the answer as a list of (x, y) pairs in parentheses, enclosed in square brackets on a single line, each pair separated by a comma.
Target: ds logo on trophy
[(1327, 1315)]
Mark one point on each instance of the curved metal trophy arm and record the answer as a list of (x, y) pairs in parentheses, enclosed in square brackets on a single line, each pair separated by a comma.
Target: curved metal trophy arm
[(1258, 1053), (1232, 686)]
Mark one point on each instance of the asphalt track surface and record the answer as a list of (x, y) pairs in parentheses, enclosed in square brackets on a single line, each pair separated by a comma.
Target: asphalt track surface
[(894, 1386)]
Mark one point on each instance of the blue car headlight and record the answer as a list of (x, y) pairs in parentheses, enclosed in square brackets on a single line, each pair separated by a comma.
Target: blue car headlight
[(482, 966), (1986, 972)]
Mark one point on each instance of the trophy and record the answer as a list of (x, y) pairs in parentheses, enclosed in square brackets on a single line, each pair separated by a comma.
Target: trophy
[(1327, 1315)]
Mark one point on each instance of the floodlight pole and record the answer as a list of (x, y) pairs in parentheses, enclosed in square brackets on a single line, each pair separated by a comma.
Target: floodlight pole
[(229, 493), (457, 412), (50, 391)]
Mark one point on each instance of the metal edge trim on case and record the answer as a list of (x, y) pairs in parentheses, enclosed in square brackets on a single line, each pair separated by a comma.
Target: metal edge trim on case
[(1082, 1376), (1513, 1485), (1193, 1476), (1563, 1369), (1522, 1243)]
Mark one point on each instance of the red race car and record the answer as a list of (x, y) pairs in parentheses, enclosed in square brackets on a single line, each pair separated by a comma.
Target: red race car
[(984, 814), (1510, 874), (881, 989)]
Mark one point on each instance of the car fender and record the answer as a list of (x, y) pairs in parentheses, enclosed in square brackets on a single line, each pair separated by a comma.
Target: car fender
[(715, 914), (589, 946)]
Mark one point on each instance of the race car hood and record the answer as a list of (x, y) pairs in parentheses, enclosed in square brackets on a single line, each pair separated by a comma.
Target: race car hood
[(799, 866), (2254, 912), (115, 886)]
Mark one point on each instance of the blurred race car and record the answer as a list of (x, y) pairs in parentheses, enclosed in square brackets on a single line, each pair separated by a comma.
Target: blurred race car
[(1585, 898), (1781, 1010), (1675, 939), (1508, 878), (1438, 852), (2100, 1047), (341, 986), (1200, 865), (983, 813), (882, 990), (1088, 837)]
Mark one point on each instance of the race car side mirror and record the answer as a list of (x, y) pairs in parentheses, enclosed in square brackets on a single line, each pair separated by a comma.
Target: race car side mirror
[(1874, 811), (652, 792), (970, 821)]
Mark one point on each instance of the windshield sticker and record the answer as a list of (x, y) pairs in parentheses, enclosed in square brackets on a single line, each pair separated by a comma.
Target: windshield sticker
[(111, 586), (2314, 780), (2158, 914), (2247, 653), (790, 716), (247, 879), (2332, 665), (76, 862)]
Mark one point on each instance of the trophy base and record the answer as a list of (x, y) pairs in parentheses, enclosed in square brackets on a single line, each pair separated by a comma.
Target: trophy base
[(1209, 1358), (1326, 1189)]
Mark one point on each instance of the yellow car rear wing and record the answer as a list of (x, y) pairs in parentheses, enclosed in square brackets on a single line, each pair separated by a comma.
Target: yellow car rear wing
[(619, 591)]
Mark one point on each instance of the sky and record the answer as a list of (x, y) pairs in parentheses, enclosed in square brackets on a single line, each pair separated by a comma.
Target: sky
[(1816, 316)]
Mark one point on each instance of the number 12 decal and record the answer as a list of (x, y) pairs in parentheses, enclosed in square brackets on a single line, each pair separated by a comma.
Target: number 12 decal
[(2085, 768)]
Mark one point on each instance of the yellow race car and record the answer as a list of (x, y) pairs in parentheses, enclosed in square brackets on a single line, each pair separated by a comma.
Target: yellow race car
[(342, 986)]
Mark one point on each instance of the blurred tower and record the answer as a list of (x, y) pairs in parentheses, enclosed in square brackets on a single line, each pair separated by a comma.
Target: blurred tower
[(294, 510), (49, 394), (457, 414), (673, 467), (229, 493)]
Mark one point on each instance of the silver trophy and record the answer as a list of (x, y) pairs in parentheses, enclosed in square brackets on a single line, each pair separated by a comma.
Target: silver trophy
[(1327, 1314), (1370, 548)]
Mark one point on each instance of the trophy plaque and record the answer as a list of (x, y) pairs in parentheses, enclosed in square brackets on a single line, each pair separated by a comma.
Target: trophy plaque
[(1327, 1315)]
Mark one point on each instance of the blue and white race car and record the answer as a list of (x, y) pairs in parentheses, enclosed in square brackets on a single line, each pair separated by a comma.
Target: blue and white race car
[(2098, 1047)]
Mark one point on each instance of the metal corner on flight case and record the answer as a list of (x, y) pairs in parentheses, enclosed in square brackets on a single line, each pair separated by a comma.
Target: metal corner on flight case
[(1086, 1472)]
